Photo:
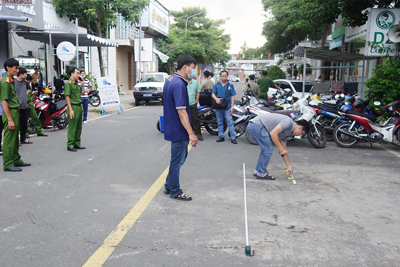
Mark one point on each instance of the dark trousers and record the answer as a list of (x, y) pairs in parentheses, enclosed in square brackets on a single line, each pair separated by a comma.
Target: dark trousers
[(23, 115), (85, 106), (179, 152), (195, 120)]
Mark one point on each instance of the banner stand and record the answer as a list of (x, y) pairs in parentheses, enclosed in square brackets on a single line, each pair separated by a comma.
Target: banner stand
[(103, 112), (110, 102)]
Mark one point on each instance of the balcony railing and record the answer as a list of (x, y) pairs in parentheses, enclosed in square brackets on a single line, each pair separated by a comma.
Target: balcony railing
[(126, 30)]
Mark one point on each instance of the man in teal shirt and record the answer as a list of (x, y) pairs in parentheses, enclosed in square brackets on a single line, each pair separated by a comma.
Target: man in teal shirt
[(194, 95)]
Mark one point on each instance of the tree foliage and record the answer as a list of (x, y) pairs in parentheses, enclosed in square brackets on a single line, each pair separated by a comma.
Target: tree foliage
[(274, 72), (96, 15), (355, 13), (295, 20), (384, 85), (287, 26), (205, 39)]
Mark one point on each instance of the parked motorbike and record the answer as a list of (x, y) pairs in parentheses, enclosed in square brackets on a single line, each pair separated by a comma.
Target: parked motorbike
[(207, 118), (94, 98), (363, 127), (316, 135), (51, 112)]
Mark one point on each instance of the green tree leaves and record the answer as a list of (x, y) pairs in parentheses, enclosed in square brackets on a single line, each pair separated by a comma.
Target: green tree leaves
[(384, 85), (97, 14), (205, 40), (274, 72)]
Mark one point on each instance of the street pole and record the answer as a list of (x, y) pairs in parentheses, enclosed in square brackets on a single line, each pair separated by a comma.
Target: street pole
[(189, 18), (77, 44), (140, 50), (304, 71)]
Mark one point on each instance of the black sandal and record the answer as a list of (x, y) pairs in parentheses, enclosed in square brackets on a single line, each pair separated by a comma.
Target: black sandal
[(183, 196), (266, 177), (166, 191)]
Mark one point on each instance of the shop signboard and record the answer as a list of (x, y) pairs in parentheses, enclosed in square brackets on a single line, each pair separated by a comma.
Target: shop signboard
[(33, 12), (66, 51), (53, 21), (156, 17), (380, 20), (159, 18), (338, 42), (355, 32)]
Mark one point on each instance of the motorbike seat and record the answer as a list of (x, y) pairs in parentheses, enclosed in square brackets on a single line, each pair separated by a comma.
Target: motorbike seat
[(283, 112), (60, 104), (328, 108), (370, 117)]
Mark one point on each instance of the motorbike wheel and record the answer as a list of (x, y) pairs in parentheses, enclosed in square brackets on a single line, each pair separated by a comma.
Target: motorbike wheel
[(65, 123), (249, 137), (158, 126), (342, 139), (94, 101), (240, 128), (317, 136), (30, 126), (327, 124), (212, 126)]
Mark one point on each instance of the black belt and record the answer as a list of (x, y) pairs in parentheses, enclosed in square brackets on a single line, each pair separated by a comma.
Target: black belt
[(12, 108), (77, 105)]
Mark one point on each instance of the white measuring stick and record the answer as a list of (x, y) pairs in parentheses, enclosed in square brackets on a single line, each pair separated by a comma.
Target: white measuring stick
[(245, 205)]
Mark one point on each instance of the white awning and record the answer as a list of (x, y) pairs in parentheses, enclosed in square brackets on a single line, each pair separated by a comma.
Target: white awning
[(164, 58), (58, 37)]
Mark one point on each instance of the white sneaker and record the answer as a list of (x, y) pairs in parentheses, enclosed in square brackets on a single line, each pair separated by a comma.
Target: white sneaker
[(85, 122)]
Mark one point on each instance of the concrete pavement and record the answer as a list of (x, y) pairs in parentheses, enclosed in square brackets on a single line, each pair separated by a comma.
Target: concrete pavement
[(343, 211)]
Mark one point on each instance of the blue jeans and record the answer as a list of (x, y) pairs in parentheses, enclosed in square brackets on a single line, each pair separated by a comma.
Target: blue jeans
[(179, 152), (85, 105), (261, 135), (221, 113)]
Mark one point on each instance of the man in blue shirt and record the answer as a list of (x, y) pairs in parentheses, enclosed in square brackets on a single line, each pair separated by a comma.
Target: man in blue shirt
[(177, 127), (218, 92)]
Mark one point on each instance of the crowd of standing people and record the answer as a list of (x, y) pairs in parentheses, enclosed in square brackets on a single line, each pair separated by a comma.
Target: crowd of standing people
[(181, 97), (17, 106)]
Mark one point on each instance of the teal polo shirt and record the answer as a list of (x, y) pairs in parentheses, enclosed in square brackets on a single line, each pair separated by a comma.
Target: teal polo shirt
[(193, 88)]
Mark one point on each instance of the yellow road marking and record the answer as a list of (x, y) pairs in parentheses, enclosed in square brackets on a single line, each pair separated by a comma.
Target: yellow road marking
[(116, 236)]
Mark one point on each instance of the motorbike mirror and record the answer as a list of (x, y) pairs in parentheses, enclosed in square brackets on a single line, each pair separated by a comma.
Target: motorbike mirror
[(341, 95), (377, 103)]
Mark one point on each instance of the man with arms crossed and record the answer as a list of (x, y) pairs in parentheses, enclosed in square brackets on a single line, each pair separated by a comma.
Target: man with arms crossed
[(177, 127)]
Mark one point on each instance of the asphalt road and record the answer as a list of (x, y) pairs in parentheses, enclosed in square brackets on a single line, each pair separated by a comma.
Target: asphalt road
[(343, 211)]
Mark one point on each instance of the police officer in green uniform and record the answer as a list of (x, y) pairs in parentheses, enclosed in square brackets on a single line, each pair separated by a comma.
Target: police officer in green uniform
[(73, 93), (252, 86), (9, 101), (265, 83), (32, 112)]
